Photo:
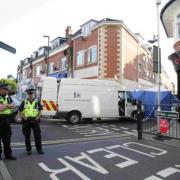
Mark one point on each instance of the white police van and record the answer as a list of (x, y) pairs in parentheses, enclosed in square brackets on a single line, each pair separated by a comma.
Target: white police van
[(77, 99)]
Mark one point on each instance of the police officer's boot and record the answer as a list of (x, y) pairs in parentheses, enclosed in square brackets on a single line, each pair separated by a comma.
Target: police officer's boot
[(11, 157)]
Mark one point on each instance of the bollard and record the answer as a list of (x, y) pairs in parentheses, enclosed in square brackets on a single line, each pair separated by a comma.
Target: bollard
[(139, 120)]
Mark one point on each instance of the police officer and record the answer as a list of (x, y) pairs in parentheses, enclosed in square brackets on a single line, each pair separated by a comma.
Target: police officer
[(30, 111), (6, 109)]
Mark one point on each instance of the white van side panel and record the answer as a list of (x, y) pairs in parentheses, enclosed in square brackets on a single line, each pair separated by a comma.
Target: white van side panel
[(49, 93), (90, 100)]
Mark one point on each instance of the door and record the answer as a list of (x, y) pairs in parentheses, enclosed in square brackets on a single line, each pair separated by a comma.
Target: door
[(121, 103)]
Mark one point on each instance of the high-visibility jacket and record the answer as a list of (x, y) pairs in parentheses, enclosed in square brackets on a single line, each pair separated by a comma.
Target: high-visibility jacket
[(4, 101), (30, 109)]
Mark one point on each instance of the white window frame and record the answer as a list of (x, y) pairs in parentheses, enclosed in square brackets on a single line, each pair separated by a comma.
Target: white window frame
[(80, 62), (86, 29), (178, 30), (24, 74), (90, 50), (178, 27), (63, 63), (38, 71)]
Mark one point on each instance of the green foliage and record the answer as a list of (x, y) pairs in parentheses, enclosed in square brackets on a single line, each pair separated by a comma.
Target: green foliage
[(12, 83)]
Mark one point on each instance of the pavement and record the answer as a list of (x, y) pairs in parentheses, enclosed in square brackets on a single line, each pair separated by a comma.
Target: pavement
[(5, 175)]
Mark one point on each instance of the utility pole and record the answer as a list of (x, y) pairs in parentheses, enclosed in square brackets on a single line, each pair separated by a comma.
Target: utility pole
[(158, 2), (45, 36)]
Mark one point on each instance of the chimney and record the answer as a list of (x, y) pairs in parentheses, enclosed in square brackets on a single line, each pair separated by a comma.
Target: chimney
[(68, 31)]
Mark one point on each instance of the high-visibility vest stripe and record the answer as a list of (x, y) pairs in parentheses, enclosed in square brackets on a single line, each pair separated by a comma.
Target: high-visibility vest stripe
[(46, 105)]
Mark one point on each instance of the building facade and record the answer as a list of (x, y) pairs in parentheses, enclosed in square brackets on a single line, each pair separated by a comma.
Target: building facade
[(109, 50), (105, 49)]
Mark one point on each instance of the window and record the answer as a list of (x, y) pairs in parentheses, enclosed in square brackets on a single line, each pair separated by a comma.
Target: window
[(24, 74), (63, 63), (38, 70), (41, 52), (178, 27), (92, 54), (50, 69), (80, 58), (178, 30), (86, 28)]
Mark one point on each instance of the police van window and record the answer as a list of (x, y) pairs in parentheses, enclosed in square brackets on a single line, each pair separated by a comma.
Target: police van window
[(121, 95), (128, 98)]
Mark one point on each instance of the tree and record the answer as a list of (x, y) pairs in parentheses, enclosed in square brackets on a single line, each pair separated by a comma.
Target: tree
[(11, 83)]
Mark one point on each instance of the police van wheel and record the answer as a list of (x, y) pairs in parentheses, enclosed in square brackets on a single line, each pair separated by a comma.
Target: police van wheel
[(74, 117)]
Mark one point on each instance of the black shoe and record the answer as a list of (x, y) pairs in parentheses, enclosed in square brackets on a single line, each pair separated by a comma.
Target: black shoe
[(10, 158), (40, 152), (28, 152), (0, 158)]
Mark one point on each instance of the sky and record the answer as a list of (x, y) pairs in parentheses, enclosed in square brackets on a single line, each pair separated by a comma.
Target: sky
[(24, 22)]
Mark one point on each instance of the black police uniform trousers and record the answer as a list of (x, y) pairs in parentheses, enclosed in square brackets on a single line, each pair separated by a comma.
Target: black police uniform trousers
[(33, 124), (5, 136)]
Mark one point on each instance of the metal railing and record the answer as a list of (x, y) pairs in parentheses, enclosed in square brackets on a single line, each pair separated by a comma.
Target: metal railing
[(169, 124)]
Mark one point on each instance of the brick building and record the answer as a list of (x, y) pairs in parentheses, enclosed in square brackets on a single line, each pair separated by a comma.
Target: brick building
[(105, 49), (109, 50)]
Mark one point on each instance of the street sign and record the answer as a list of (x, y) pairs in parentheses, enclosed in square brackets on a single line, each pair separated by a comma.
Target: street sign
[(164, 126), (167, 114), (7, 47)]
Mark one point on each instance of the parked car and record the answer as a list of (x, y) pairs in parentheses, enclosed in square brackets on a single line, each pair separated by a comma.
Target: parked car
[(15, 115)]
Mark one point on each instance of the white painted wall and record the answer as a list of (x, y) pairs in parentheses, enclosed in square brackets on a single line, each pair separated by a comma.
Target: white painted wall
[(86, 72)]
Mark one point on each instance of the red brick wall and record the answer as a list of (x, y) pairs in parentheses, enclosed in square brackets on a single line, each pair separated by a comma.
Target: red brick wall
[(130, 52), (111, 49), (56, 58), (84, 44)]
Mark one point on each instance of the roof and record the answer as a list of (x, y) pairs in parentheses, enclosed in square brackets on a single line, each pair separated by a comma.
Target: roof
[(105, 20), (109, 20), (89, 21), (168, 12), (77, 32), (58, 38)]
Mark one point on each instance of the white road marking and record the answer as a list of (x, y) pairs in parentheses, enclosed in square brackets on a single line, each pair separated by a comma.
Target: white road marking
[(112, 154), (68, 167), (4, 171), (127, 132), (167, 172), (153, 178), (84, 158), (102, 134), (162, 152), (115, 129), (124, 128), (134, 150)]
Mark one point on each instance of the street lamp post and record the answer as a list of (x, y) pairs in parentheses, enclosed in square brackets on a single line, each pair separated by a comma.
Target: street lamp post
[(158, 2), (45, 36)]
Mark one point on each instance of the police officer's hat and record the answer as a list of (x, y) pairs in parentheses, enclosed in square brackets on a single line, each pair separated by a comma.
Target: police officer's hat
[(4, 86), (30, 90)]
